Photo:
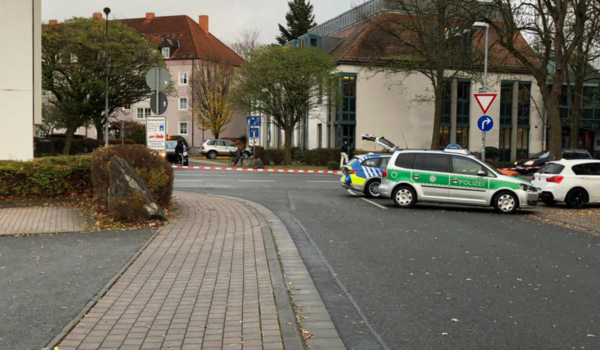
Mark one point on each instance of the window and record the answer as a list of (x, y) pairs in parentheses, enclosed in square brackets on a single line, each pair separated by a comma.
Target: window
[(384, 162), (320, 135), (127, 107), (183, 128), (373, 162), (444, 136), (463, 113), (432, 162), (466, 166), (229, 143), (183, 104), (462, 137), (405, 160), (143, 113), (166, 52), (210, 143), (183, 78), (552, 168), (592, 169)]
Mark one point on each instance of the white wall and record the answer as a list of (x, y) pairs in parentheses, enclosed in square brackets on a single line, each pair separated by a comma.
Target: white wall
[(20, 87), (400, 107)]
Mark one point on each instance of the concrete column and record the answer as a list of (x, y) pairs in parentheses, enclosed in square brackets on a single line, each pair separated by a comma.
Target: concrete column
[(453, 110), (515, 119)]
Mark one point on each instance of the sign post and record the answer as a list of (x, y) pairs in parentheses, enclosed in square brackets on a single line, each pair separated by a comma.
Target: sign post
[(253, 124), (158, 79), (156, 133), (485, 123)]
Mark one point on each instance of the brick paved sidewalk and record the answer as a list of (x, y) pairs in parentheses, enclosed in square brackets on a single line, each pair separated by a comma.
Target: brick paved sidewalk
[(42, 219), (202, 283)]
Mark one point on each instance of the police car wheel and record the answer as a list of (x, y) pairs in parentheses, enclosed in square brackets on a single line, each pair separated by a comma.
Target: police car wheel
[(505, 203), (404, 197), (372, 188)]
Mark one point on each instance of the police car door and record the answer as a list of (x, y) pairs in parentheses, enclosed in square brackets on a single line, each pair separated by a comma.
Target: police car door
[(432, 172), (467, 183)]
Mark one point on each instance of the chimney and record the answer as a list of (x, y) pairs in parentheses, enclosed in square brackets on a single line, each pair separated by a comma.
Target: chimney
[(150, 15), (97, 15), (203, 21), (52, 22)]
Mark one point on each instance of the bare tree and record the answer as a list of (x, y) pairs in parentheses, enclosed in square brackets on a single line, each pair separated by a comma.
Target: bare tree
[(545, 21), (247, 42), (433, 38), (210, 85)]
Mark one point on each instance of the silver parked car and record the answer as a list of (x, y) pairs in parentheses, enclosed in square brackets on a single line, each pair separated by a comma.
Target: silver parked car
[(213, 148)]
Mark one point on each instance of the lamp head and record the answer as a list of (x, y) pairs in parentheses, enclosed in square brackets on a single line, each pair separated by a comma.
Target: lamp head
[(106, 11)]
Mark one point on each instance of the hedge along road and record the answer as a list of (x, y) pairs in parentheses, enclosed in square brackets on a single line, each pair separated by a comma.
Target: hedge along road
[(46, 280), (432, 277)]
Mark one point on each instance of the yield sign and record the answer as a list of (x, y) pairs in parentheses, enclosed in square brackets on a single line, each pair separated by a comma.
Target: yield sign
[(485, 101)]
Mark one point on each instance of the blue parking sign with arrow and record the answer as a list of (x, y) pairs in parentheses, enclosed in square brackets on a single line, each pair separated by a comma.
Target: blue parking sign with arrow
[(485, 123)]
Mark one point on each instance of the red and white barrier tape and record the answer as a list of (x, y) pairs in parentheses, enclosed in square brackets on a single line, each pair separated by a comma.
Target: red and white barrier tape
[(522, 168), (250, 170)]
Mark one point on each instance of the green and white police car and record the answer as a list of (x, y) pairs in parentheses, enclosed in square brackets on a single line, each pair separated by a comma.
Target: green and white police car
[(452, 176)]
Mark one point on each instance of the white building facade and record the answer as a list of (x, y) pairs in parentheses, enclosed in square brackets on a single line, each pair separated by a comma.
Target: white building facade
[(20, 77), (400, 106)]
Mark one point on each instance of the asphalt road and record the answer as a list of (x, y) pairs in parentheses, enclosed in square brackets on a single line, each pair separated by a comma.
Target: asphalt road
[(433, 277), (46, 280)]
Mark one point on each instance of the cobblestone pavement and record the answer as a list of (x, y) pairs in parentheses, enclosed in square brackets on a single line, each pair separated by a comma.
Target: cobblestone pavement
[(202, 283), (42, 219), (587, 218)]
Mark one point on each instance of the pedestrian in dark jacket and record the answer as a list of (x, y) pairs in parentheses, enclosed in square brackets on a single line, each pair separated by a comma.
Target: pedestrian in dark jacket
[(344, 154)]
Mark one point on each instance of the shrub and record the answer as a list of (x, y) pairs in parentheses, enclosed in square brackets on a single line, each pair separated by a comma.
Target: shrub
[(262, 154), (331, 165), (46, 178), (297, 155), (277, 156), (155, 171), (135, 131), (321, 156), (119, 142)]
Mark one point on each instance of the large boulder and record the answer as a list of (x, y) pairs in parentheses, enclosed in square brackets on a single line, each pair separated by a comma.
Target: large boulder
[(128, 195)]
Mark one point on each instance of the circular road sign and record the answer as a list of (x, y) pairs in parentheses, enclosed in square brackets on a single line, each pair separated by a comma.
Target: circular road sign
[(485, 123), (158, 78), (163, 103)]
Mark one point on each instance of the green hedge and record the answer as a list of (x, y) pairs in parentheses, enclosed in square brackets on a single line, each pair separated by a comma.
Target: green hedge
[(47, 178), (154, 170), (316, 157)]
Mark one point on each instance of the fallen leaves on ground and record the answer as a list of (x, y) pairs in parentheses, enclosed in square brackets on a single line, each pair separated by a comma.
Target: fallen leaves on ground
[(454, 320)]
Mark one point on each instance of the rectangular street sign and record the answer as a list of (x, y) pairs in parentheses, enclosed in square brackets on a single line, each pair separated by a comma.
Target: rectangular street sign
[(254, 132), (156, 133), (254, 120)]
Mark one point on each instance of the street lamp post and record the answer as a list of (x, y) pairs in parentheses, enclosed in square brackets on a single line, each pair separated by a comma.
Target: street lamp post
[(485, 75), (106, 12)]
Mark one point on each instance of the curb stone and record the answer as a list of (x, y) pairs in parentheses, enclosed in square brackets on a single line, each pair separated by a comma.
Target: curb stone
[(299, 285)]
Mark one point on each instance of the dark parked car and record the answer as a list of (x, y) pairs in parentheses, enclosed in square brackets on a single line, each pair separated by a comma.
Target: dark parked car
[(543, 157), (176, 150)]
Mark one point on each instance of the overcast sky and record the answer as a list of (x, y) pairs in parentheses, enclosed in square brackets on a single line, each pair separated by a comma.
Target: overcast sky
[(227, 17)]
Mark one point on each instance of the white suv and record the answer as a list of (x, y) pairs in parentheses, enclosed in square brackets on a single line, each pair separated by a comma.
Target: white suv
[(575, 182), (213, 148)]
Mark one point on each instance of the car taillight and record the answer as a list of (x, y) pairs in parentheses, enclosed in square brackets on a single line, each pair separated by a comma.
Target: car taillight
[(203, 148), (353, 171), (384, 174), (555, 179)]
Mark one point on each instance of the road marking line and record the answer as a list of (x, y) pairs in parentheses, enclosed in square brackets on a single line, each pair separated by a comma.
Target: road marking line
[(322, 181), (366, 200), (189, 181), (256, 180)]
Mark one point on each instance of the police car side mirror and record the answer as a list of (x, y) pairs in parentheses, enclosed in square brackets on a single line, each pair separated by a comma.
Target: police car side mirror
[(481, 173)]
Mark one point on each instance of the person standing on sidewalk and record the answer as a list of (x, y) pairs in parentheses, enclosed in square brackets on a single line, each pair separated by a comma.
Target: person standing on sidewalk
[(344, 154)]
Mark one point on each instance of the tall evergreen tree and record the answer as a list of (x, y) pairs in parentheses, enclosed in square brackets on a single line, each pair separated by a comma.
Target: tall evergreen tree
[(300, 19)]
